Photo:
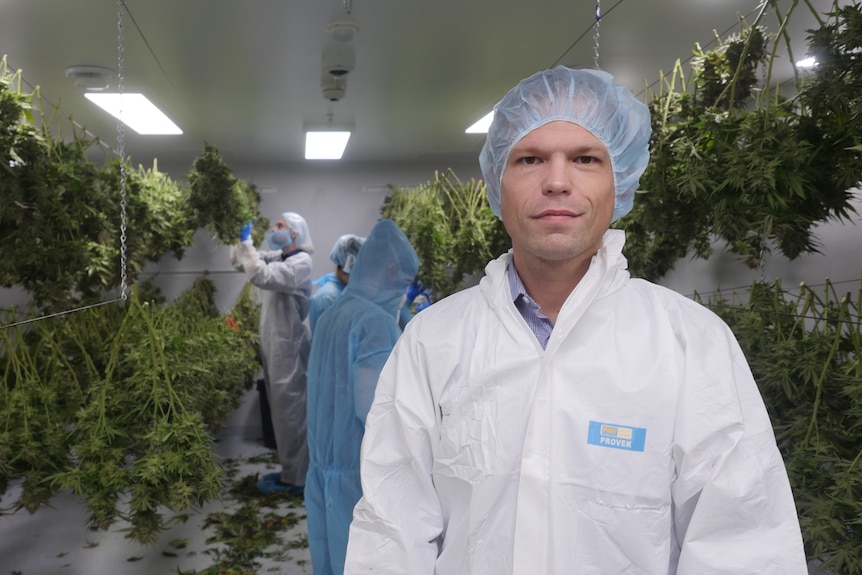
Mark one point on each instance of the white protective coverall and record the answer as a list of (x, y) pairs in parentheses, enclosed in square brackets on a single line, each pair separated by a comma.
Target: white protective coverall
[(285, 341), (636, 443)]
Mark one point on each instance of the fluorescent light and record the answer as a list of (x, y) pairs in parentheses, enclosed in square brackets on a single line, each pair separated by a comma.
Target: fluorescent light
[(807, 62), (135, 111), (481, 127), (325, 145)]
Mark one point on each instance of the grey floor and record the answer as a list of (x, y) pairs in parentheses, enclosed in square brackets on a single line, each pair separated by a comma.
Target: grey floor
[(57, 540)]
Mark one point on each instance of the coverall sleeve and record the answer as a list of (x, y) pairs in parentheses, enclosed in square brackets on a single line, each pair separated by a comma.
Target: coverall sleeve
[(314, 311), (365, 377), (235, 258), (267, 271), (398, 522), (734, 511), (370, 348)]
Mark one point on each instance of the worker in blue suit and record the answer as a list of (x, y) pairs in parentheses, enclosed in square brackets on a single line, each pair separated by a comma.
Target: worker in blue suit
[(352, 341)]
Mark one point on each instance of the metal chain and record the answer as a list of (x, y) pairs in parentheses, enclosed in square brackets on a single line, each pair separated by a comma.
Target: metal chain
[(121, 147), (764, 89), (596, 34), (762, 264)]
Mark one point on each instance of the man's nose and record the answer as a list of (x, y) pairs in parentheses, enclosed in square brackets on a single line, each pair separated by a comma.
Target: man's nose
[(558, 176)]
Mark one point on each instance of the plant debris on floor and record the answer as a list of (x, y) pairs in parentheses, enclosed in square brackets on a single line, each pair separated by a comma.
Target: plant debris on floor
[(253, 526), (240, 532)]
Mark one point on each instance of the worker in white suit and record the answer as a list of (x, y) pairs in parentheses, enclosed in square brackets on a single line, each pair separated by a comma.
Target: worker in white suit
[(283, 274), (562, 417)]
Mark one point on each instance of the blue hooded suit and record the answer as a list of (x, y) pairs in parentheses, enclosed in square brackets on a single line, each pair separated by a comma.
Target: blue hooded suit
[(352, 340)]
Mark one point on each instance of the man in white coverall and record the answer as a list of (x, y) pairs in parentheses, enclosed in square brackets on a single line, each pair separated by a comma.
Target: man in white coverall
[(561, 417), (283, 274)]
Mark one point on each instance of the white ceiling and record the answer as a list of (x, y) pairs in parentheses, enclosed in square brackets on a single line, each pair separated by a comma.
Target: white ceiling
[(243, 75)]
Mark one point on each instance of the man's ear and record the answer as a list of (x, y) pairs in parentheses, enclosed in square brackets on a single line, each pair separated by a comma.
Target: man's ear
[(293, 234)]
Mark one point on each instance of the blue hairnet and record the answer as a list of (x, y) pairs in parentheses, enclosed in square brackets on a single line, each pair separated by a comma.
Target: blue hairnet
[(344, 251), (588, 98), (296, 223)]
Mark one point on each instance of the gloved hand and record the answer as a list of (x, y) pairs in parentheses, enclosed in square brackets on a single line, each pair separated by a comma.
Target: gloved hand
[(245, 231), (423, 300), (413, 290)]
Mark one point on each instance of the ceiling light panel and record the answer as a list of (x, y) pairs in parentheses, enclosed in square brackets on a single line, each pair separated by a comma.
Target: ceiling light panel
[(325, 145), (136, 112)]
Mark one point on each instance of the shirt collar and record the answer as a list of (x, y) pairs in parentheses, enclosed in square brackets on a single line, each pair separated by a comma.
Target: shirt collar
[(516, 286), (539, 324)]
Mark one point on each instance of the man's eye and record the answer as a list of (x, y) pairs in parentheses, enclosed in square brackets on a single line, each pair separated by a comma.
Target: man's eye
[(585, 159), (529, 160)]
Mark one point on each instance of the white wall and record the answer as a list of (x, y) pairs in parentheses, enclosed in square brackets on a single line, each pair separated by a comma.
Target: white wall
[(335, 199), (339, 198), (840, 261)]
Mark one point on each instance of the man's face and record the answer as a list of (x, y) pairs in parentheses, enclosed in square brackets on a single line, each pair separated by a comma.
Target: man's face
[(281, 226), (557, 193)]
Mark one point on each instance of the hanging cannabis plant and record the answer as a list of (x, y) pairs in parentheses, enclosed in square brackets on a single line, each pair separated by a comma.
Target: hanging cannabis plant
[(50, 201), (59, 216), (118, 403), (60, 212), (220, 201), (450, 225), (805, 352), (733, 160)]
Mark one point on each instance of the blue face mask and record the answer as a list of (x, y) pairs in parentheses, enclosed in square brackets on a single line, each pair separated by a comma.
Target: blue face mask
[(279, 239)]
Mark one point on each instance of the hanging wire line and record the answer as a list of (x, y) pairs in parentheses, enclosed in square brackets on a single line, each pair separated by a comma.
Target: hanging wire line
[(756, 10), (853, 320), (130, 15), (788, 292), (596, 27), (56, 107), (58, 314), (146, 42), (591, 27), (121, 146)]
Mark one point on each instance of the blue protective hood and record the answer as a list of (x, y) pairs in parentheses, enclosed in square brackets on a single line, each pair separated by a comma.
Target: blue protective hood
[(385, 266)]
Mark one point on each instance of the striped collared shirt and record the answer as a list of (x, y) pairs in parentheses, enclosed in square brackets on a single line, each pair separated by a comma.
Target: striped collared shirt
[(540, 324)]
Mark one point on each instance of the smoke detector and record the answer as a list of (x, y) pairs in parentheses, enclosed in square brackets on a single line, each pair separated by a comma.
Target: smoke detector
[(90, 77)]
